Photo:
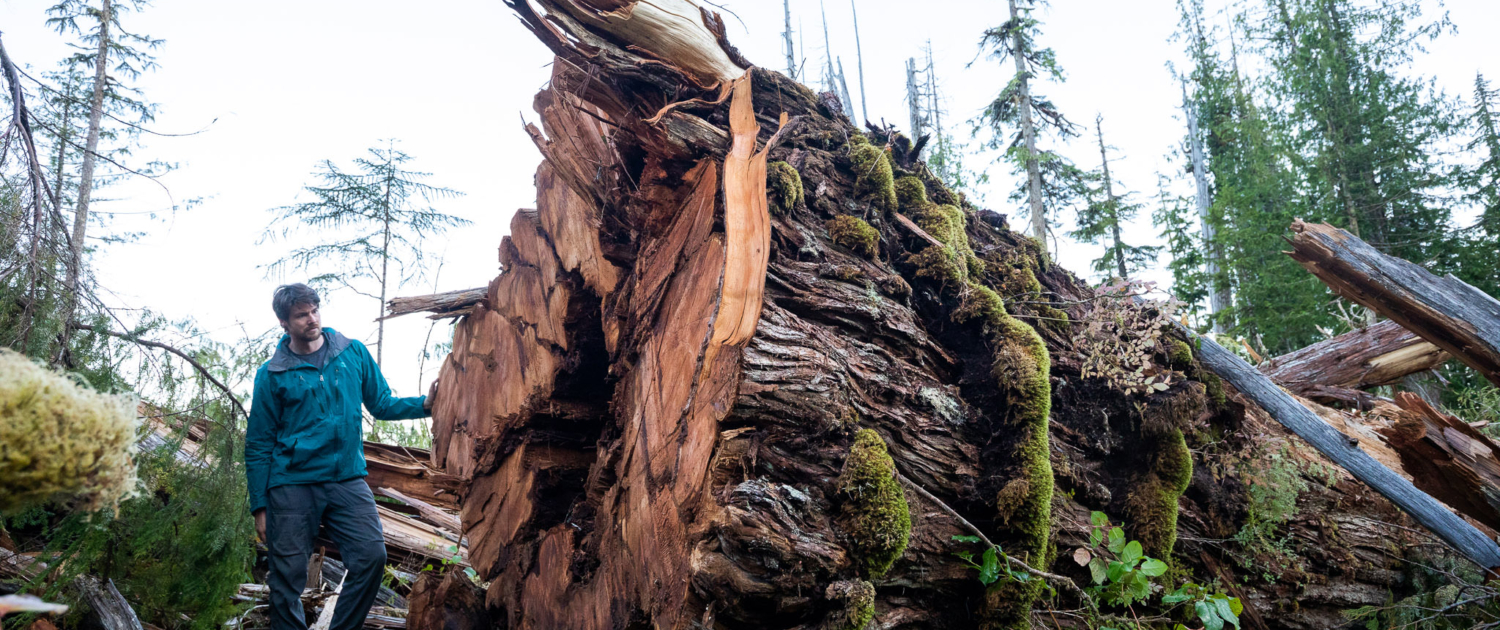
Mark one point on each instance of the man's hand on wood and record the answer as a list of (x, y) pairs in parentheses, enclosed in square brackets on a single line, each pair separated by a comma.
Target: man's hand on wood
[(431, 396)]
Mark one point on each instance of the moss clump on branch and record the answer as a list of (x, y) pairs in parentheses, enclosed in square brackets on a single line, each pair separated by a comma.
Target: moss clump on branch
[(783, 187), (911, 194), (858, 597), (854, 234), (1179, 354), (873, 176), (60, 440), (880, 520)]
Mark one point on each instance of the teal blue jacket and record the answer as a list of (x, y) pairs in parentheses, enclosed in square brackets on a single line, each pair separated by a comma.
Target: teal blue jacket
[(305, 423)]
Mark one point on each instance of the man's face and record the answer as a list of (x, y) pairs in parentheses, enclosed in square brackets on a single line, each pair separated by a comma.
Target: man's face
[(303, 323)]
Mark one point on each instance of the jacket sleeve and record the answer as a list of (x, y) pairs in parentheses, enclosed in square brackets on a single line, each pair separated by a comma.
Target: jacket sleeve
[(377, 394), (260, 439)]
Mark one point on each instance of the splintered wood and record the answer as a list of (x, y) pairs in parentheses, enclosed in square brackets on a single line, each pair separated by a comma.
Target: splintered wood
[(1454, 316), (692, 302)]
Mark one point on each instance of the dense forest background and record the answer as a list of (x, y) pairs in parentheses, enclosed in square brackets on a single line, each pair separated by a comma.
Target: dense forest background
[(1177, 142)]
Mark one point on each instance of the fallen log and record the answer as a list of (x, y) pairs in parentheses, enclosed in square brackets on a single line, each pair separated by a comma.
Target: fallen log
[(449, 304), (1446, 311), (1344, 451), (407, 470), (1380, 354)]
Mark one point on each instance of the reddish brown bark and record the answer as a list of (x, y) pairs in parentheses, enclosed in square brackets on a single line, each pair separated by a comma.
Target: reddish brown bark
[(1380, 354), (650, 415)]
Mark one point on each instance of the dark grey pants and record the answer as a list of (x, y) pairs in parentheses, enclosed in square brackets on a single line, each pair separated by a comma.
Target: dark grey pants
[(294, 514)]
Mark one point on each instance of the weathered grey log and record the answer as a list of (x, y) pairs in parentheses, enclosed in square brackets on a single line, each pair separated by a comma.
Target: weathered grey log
[(109, 606), (449, 304), (1380, 354), (1446, 311), (1463, 537)]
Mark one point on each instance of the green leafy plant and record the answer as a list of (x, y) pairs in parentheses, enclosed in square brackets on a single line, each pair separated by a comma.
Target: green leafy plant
[(1212, 608), (992, 564), (1125, 579)]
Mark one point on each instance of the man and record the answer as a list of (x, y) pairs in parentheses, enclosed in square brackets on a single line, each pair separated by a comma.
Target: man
[(305, 462)]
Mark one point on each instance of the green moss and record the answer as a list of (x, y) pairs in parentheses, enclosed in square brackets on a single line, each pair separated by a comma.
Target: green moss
[(783, 187), (854, 234), (61, 441), (1215, 387), (939, 264), (858, 597), (874, 180), (1152, 503), (911, 194), (880, 520), (858, 138), (1179, 354)]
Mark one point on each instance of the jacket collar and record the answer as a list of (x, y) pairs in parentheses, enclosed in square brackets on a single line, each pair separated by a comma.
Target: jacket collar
[(284, 360)]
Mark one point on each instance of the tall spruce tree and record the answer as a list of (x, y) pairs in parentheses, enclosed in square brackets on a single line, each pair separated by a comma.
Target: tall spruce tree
[(1018, 119), (376, 218), (1480, 264), (1102, 220)]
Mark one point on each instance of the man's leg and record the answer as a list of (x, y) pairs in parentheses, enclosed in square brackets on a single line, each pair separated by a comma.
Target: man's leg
[(291, 524), (354, 524)]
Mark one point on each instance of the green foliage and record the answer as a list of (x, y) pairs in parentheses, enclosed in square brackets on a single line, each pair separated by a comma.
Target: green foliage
[(1274, 481), (783, 187), (854, 234), (372, 219), (880, 521), (1128, 578), (1102, 220), (62, 441), (1018, 112), (1335, 130), (992, 564)]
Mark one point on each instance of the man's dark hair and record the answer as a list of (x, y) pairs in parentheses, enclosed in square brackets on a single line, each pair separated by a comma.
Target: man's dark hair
[(290, 295)]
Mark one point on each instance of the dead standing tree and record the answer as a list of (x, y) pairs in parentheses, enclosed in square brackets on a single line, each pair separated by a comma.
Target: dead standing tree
[(688, 398)]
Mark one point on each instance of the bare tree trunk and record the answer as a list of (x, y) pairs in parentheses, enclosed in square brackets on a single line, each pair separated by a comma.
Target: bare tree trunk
[(86, 173), (786, 37), (859, 55), (913, 99), (385, 269), (1218, 291), (1109, 197), (1028, 135)]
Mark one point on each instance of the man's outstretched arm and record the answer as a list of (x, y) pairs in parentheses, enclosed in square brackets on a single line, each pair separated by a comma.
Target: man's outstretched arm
[(377, 394)]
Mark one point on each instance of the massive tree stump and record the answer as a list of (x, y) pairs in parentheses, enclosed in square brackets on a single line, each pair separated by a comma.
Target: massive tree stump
[(654, 407)]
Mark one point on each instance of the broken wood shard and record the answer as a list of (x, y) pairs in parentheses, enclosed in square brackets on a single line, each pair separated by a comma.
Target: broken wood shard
[(1380, 354), (1448, 459), (1446, 311), (449, 304)]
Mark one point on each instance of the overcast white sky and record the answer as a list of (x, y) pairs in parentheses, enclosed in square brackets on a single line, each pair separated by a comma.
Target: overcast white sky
[(292, 83)]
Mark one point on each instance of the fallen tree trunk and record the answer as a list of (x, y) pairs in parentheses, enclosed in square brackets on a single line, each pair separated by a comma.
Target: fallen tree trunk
[(1380, 354), (1345, 452), (748, 366), (1446, 311)]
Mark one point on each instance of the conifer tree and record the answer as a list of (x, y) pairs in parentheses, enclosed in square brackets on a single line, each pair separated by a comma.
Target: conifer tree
[(1017, 119), (1480, 264), (1101, 221), (376, 216)]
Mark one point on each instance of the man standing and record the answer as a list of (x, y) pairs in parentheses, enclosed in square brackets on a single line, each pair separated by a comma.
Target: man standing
[(305, 461)]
